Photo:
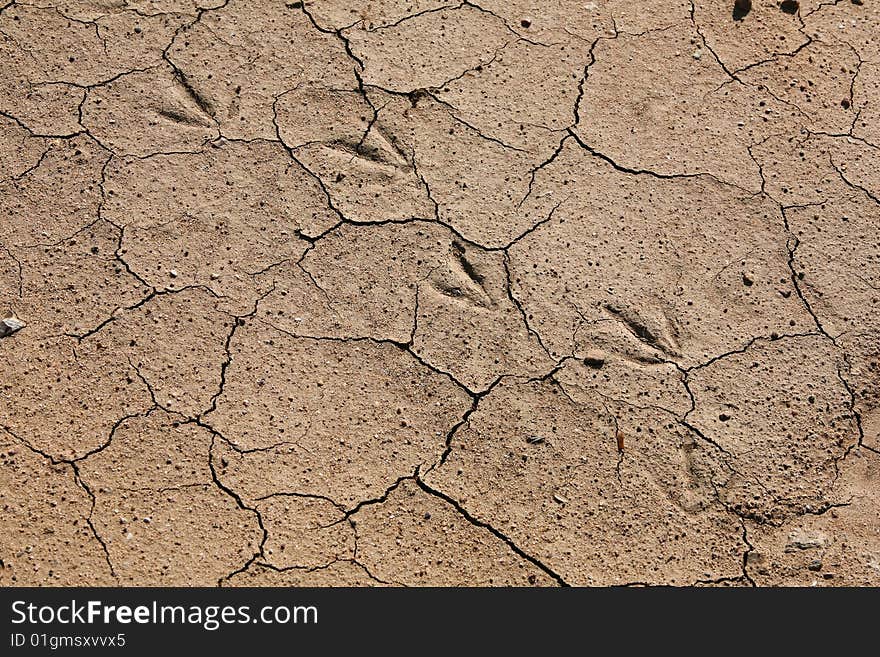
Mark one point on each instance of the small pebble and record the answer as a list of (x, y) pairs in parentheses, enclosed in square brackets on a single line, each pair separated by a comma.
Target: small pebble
[(10, 325), (789, 6), (594, 359)]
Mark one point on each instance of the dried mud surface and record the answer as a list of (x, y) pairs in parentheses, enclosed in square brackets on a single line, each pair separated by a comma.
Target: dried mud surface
[(413, 292)]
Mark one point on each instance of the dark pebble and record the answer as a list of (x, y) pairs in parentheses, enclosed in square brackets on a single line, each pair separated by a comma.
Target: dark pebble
[(790, 6)]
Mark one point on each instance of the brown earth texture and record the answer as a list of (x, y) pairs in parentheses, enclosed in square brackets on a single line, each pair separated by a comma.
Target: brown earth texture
[(419, 292)]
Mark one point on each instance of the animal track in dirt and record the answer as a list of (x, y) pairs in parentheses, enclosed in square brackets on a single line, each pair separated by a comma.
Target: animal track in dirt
[(426, 293)]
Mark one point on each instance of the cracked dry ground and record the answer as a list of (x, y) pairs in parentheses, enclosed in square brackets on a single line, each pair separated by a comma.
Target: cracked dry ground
[(323, 294)]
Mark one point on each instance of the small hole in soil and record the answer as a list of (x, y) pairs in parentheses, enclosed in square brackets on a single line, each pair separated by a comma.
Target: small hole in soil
[(741, 8)]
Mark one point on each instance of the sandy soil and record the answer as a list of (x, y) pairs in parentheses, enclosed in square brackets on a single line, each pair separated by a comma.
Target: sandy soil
[(422, 293)]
